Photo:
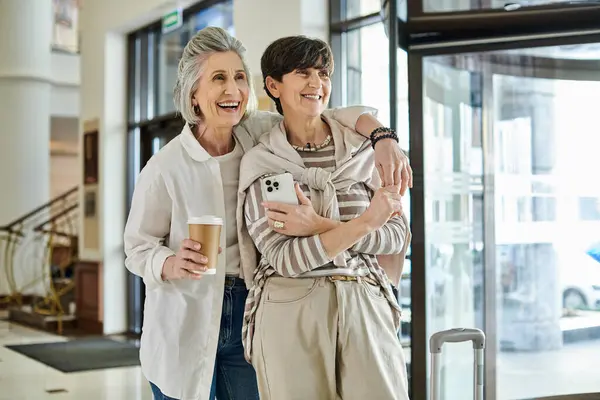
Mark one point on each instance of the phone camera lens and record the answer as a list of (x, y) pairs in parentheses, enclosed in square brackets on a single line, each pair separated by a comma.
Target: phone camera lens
[(276, 184), (268, 183), (269, 189)]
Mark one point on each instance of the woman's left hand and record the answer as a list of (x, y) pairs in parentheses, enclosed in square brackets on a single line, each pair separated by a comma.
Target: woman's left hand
[(393, 165), (298, 220)]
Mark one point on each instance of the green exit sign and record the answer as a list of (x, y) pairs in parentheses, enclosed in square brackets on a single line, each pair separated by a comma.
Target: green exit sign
[(172, 21)]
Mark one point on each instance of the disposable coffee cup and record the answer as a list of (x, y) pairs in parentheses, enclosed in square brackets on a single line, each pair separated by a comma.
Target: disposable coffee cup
[(206, 230)]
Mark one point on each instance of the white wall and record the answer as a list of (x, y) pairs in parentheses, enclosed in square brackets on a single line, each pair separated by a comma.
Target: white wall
[(64, 94), (64, 101), (65, 170), (103, 96), (65, 69), (257, 28)]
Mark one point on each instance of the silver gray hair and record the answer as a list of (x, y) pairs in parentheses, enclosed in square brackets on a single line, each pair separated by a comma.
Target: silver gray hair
[(206, 42)]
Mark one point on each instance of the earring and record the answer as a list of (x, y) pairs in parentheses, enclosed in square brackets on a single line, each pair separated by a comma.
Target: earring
[(197, 109)]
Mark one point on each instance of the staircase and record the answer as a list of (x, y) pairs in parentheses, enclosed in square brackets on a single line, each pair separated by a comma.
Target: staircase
[(38, 252)]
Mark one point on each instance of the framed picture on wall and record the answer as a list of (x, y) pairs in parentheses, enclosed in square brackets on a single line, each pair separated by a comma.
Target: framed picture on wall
[(90, 155)]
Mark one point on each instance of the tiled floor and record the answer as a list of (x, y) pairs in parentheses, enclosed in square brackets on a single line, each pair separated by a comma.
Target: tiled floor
[(24, 379), (520, 375)]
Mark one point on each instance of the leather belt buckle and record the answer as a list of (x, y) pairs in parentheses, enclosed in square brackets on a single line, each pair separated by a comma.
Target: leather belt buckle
[(343, 278)]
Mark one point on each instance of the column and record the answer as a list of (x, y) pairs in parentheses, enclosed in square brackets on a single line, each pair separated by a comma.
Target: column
[(25, 73)]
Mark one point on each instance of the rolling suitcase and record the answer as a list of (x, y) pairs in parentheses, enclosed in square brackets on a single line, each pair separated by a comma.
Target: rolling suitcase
[(436, 342)]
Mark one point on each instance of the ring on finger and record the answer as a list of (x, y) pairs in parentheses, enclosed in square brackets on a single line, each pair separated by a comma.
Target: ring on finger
[(278, 225)]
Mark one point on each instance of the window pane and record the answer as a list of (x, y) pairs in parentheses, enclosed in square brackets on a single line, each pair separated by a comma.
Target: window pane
[(220, 15), (172, 44), (550, 307), (546, 225), (170, 49), (367, 73), (453, 166), (357, 8)]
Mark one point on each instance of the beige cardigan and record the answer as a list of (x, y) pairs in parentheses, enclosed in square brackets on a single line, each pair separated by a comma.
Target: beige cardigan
[(274, 154)]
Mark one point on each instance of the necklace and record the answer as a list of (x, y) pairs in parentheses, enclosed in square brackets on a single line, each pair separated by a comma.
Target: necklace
[(313, 146)]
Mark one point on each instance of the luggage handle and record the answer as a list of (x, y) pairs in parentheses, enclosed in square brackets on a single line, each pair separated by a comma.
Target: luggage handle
[(458, 335)]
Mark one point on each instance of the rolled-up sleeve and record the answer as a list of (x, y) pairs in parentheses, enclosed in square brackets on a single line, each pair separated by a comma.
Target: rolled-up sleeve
[(389, 239), (147, 227)]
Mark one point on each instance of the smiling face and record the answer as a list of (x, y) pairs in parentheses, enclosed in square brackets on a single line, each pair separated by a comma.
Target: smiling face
[(305, 91), (296, 72), (223, 90)]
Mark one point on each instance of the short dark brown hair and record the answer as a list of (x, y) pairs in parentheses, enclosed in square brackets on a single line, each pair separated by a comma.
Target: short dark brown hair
[(290, 53)]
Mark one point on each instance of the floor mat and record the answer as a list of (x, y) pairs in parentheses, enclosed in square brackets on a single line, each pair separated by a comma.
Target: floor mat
[(82, 354), (583, 396)]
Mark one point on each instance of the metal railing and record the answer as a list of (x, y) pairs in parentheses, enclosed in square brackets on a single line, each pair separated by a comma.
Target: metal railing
[(37, 254)]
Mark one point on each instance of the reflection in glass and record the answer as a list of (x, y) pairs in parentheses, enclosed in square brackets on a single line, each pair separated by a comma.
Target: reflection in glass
[(465, 5), (546, 220)]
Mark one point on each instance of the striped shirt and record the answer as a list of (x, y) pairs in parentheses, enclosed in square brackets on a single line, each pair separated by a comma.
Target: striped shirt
[(303, 257)]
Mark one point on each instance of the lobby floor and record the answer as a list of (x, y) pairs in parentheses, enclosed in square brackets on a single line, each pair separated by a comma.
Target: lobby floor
[(24, 379), (521, 375)]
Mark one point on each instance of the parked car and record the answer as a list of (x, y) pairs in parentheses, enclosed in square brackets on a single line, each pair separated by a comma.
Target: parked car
[(581, 281)]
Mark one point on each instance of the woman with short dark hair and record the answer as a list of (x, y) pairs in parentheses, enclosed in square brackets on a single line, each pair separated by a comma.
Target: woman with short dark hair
[(321, 321)]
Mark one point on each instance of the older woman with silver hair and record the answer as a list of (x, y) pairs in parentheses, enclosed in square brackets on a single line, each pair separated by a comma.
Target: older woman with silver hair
[(191, 344)]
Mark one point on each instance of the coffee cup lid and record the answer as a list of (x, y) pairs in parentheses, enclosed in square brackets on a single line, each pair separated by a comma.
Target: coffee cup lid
[(206, 220)]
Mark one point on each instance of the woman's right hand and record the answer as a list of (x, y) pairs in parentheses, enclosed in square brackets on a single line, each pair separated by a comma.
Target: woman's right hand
[(183, 264), (386, 203)]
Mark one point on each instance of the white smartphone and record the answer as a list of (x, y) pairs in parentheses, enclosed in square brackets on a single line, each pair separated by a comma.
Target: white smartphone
[(279, 188)]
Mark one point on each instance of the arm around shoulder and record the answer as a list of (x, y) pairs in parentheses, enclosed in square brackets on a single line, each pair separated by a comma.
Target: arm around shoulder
[(351, 116), (259, 122)]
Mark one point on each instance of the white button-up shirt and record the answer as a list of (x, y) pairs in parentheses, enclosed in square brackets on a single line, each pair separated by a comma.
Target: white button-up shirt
[(182, 318)]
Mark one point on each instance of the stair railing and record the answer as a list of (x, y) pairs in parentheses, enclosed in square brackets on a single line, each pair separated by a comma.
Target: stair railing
[(28, 246)]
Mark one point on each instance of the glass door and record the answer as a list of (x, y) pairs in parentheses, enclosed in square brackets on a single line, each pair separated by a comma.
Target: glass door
[(144, 142), (157, 134), (512, 216), (453, 197)]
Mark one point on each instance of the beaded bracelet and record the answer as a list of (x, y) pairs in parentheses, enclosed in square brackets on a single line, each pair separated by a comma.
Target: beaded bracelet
[(391, 134), (379, 130)]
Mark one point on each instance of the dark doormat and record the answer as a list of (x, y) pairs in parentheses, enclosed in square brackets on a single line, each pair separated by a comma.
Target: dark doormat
[(582, 396), (82, 354)]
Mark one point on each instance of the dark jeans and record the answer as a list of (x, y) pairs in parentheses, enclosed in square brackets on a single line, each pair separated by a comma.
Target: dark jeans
[(233, 378)]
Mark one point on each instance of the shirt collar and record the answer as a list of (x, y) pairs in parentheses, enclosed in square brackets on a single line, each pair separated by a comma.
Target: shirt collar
[(192, 146)]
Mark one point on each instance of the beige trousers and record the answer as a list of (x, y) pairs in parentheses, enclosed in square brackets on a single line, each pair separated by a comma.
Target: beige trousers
[(317, 339)]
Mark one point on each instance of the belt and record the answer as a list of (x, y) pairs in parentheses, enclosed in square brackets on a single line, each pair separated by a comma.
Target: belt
[(347, 278), (231, 281)]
